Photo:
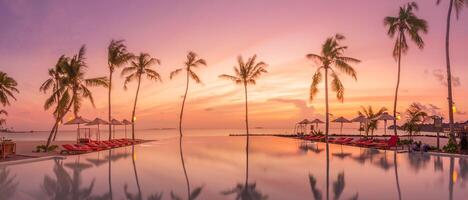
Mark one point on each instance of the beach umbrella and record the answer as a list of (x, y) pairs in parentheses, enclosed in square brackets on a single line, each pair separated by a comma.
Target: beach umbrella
[(78, 121), (125, 123), (361, 119), (115, 122), (316, 122), (97, 121), (303, 124), (341, 120), (385, 116)]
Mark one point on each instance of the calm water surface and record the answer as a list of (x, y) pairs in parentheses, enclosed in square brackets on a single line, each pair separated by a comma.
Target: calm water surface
[(219, 167)]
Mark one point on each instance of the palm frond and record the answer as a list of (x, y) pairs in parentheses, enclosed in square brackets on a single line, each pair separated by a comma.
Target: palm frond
[(99, 81), (316, 78), (174, 73), (337, 87), (194, 77), (232, 78)]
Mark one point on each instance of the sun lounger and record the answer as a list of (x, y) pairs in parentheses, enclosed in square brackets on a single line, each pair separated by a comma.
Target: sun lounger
[(344, 141), (70, 149), (392, 142)]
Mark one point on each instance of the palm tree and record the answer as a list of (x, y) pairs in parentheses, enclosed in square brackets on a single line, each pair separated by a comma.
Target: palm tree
[(458, 6), (406, 24), (7, 89), (73, 89), (331, 57), (193, 61), (414, 117), (117, 56), (140, 65), (53, 83), (246, 73), (370, 114)]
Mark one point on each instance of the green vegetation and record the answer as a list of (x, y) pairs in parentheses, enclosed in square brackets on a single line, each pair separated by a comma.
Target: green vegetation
[(415, 116), (370, 114)]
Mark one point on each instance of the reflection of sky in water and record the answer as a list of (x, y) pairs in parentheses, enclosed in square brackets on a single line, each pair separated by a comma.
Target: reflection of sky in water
[(279, 168)]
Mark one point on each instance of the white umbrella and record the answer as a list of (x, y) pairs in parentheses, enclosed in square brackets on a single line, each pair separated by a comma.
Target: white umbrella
[(97, 121), (114, 122), (385, 116), (341, 120), (361, 119), (126, 122), (78, 121)]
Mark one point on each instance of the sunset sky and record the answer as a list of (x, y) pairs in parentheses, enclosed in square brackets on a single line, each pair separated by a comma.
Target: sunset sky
[(35, 33)]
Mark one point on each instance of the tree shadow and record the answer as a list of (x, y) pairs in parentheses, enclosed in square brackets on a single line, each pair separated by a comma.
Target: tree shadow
[(8, 185)]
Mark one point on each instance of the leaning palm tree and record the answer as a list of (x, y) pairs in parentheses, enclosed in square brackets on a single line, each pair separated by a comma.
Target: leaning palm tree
[(7, 89), (140, 65), (406, 24), (52, 84), (73, 89), (331, 58), (246, 73), (371, 115), (415, 116), (193, 61), (117, 56), (458, 4)]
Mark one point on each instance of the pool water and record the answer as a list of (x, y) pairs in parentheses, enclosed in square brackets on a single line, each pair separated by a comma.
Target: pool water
[(220, 167)]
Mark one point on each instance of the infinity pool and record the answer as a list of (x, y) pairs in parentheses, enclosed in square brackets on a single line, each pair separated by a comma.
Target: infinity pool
[(216, 167)]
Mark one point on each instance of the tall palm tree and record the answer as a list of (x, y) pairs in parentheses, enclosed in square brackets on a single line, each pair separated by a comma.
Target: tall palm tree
[(140, 65), (414, 117), (7, 89), (246, 73), (53, 83), (73, 89), (405, 24), (331, 57), (193, 61), (458, 4), (117, 56), (370, 114)]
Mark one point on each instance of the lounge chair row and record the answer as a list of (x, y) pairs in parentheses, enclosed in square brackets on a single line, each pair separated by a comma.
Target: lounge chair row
[(363, 142), (97, 146)]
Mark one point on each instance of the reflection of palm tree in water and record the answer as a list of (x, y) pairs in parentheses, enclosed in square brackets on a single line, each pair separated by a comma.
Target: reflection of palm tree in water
[(191, 195), (8, 185), (246, 191), (65, 186), (338, 185), (138, 196), (396, 174)]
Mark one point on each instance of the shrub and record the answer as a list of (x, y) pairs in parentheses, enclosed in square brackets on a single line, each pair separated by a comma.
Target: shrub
[(451, 147), (43, 148)]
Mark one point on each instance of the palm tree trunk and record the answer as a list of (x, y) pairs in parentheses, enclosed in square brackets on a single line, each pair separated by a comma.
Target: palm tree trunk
[(328, 171), (55, 127), (135, 172), (134, 107), (109, 100), (183, 103), (327, 117), (183, 167), (110, 175), (449, 74), (247, 142), (397, 86)]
